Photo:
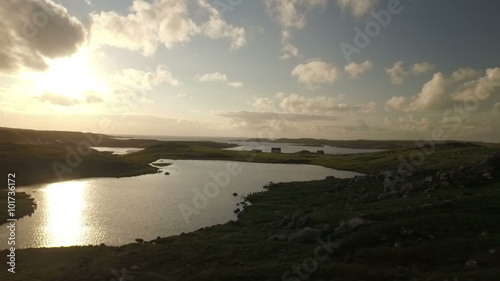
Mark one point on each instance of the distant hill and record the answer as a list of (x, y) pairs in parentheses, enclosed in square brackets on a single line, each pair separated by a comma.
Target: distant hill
[(25, 136), (367, 144)]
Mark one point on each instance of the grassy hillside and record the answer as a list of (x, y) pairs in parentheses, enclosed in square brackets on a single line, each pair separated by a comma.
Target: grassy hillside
[(438, 232)]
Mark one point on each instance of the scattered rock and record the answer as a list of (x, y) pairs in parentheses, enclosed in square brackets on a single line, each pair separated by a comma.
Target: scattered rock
[(237, 211), (305, 235), (278, 237), (471, 263), (139, 240)]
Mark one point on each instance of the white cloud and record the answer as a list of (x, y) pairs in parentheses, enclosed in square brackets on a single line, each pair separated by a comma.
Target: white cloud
[(56, 99), (354, 69), (421, 68), (397, 73), (211, 77), (162, 22), (441, 91), (26, 46), (291, 15), (316, 73), (320, 105), (263, 103), (432, 96), (139, 79), (235, 84), (465, 73), (483, 87), (358, 8)]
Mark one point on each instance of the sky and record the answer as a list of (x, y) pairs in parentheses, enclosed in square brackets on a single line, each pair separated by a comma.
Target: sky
[(340, 69)]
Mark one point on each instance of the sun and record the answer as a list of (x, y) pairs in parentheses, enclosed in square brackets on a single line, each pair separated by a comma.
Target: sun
[(70, 76)]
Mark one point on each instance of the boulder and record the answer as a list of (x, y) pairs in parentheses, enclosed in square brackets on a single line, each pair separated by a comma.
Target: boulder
[(305, 235)]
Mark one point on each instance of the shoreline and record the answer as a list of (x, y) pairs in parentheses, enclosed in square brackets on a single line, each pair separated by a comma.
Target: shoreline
[(370, 240)]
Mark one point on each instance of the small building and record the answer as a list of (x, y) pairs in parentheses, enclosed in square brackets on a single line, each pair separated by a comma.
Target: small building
[(276, 150), (320, 152)]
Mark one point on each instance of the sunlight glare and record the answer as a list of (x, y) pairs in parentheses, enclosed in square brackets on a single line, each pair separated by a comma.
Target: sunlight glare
[(70, 76), (66, 204)]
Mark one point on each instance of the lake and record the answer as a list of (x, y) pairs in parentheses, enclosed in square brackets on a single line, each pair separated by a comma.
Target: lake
[(116, 211), (293, 148)]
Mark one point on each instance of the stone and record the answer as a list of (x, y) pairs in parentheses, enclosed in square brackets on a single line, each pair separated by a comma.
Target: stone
[(492, 251), (305, 235)]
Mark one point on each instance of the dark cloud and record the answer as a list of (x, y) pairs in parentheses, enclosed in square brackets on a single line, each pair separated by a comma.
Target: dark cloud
[(31, 31)]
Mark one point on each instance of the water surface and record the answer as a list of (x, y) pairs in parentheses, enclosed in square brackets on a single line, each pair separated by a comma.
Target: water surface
[(116, 211)]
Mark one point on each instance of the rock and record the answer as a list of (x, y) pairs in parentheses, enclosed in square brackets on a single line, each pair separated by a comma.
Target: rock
[(135, 266), (139, 240), (369, 196), (278, 237), (237, 211), (492, 251), (305, 235), (488, 175), (397, 244), (350, 225), (235, 194), (167, 173), (471, 263)]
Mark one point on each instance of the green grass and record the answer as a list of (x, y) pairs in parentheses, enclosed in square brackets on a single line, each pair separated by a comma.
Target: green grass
[(445, 234)]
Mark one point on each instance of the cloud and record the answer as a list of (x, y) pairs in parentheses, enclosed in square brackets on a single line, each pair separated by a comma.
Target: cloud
[(263, 103), (92, 97), (432, 96), (397, 73), (216, 27), (483, 87), (24, 45), (320, 105), (316, 73), (355, 69), (211, 77), (235, 84), (143, 80), (162, 22), (465, 73), (440, 91), (291, 15), (56, 99), (358, 8), (421, 68), (272, 119)]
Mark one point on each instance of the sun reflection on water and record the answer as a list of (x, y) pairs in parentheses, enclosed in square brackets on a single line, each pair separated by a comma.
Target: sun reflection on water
[(65, 204)]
